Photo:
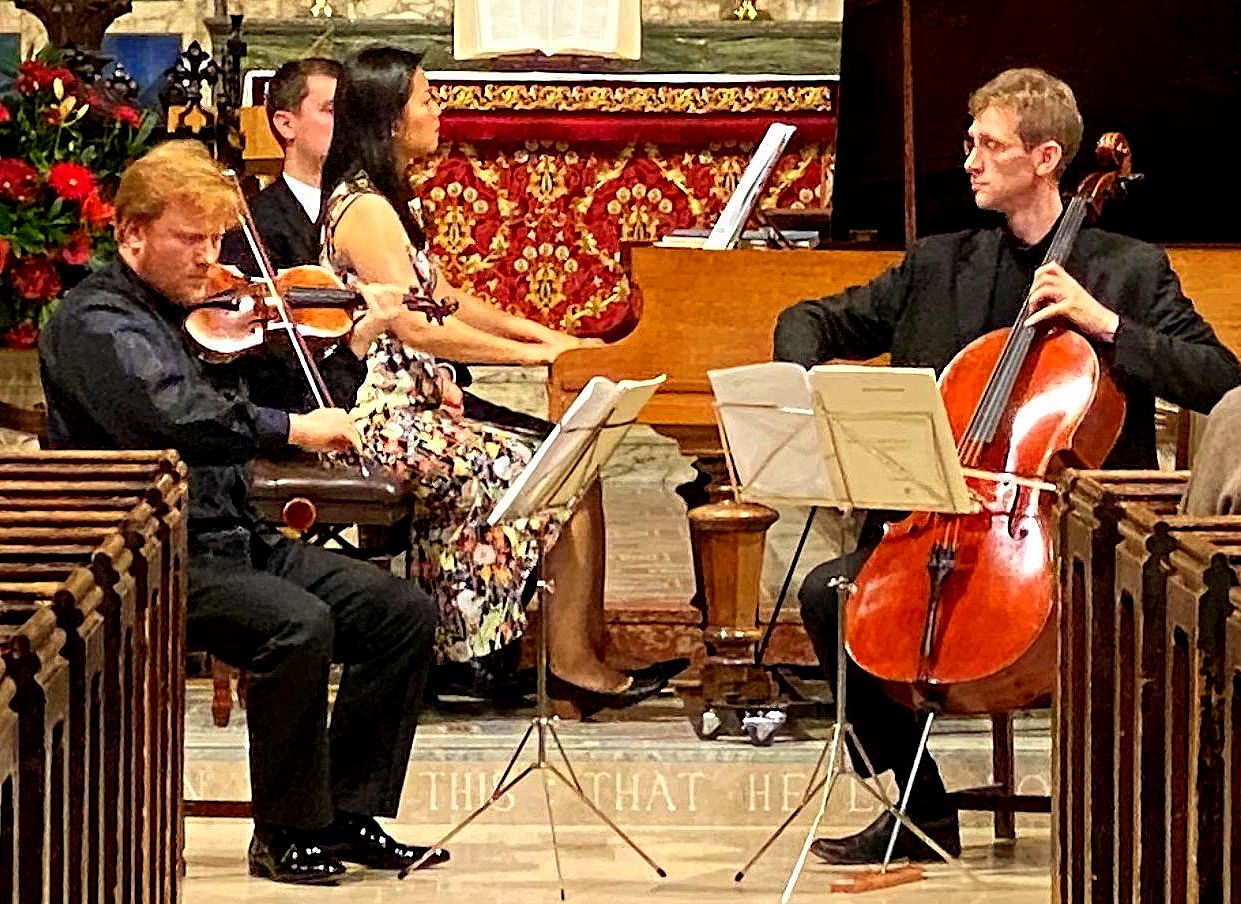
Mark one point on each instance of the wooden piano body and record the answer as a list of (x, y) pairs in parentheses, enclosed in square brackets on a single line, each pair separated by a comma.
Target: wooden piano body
[(708, 309)]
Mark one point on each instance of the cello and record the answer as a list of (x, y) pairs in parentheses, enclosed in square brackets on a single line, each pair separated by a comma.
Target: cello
[(956, 613)]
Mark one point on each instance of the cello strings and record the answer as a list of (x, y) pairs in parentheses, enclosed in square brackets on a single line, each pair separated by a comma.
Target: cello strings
[(1003, 377)]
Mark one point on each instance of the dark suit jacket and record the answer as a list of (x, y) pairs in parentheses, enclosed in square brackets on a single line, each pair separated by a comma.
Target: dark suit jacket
[(935, 303), (289, 234)]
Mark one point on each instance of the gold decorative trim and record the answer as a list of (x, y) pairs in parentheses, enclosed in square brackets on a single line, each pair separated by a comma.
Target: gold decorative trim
[(602, 98)]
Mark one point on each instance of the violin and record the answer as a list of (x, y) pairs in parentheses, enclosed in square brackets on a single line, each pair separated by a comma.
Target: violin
[(239, 314), (956, 613)]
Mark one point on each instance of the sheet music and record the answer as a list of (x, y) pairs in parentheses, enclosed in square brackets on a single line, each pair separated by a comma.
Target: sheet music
[(880, 438), (768, 420), (565, 462), (894, 445), (739, 207)]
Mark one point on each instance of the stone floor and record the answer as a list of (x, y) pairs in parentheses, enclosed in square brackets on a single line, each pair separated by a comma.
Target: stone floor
[(515, 865), (700, 808)]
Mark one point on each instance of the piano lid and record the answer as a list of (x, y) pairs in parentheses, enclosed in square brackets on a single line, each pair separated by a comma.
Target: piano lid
[(1167, 75)]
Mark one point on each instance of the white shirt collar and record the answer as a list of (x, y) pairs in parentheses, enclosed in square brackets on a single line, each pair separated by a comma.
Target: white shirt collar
[(307, 195)]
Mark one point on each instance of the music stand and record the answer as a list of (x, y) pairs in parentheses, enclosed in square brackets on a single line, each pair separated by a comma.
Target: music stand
[(553, 483), (861, 472)]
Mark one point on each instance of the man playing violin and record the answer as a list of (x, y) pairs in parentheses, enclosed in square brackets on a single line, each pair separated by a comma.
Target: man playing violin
[(949, 290), (118, 374)]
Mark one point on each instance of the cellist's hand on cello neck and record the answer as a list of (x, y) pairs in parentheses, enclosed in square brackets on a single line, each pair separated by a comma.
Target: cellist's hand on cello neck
[(1055, 293)]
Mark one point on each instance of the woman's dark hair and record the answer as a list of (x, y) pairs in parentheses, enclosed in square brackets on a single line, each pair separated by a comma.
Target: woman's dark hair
[(370, 102)]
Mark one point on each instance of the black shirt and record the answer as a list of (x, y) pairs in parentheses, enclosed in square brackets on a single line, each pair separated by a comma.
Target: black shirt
[(289, 235), (118, 374), (1014, 273)]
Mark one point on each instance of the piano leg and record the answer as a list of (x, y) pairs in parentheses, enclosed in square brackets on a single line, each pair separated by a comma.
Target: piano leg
[(710, 484)]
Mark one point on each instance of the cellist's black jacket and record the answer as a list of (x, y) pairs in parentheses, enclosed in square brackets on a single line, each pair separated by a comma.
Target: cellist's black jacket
[(118, 373), (940, 297)]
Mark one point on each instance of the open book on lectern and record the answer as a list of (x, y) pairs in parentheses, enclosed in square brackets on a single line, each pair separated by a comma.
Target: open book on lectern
[(839, 435), (576, 448)]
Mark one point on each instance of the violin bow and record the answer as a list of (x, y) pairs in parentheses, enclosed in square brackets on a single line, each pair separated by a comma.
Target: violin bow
[(314, 379)]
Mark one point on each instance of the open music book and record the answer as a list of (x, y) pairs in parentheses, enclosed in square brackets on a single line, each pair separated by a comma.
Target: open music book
[(577, 447), (737, 211), (604, 28), (840, 435)]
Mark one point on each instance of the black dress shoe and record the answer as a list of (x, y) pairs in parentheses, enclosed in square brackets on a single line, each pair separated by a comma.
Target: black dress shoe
[(359, 839), (590, 702), (286, 856), (870, 844), (665, 670)]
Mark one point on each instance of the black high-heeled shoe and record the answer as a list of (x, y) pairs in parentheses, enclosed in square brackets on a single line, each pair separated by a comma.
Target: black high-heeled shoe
[(590, 702)]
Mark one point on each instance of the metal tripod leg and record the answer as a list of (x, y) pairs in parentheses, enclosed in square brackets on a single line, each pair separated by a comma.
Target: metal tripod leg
[(839, 766), (909, 788), (540, 727)]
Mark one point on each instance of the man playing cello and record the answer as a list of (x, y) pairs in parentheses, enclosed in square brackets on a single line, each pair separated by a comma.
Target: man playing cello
[(1119, 293)]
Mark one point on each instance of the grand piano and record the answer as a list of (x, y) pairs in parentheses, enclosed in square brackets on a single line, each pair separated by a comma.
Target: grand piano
[(705, 309)]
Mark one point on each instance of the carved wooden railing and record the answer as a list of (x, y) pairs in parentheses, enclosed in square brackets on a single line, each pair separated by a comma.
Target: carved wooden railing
[(92, 584), (1142, 749)]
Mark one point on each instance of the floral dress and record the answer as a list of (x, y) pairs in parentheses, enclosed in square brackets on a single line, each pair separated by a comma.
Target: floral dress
[(460, 469)]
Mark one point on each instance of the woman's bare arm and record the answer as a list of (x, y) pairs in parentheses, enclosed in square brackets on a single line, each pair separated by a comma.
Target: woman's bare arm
[(371, 239)]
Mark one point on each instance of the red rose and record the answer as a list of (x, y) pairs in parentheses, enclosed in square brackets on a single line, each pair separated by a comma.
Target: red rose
[(128, 115), (19, 181), (23, 335), (4, 253), (96, 212), (5, 115), (34, 75), (72, 181), (76, 252), (36, 279)]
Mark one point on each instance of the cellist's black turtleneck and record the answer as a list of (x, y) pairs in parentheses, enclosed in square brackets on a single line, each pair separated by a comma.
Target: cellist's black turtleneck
[(1013, 276)]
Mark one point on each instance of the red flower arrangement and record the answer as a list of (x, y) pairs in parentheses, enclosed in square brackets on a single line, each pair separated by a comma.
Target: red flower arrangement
[(63, 146)]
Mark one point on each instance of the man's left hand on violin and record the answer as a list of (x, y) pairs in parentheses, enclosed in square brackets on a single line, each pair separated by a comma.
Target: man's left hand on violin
[(1056, 294)]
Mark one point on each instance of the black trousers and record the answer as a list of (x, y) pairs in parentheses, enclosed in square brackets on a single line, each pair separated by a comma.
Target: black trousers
[(888, 731), (284, 612)]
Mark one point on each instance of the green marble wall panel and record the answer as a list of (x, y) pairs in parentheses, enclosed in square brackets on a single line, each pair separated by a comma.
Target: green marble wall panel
[(786, 48)]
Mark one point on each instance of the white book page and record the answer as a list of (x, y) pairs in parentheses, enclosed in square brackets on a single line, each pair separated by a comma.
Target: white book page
[(565, 463), (591, 26), (894, 445), (739, 207), (510, 26), (769, 426)]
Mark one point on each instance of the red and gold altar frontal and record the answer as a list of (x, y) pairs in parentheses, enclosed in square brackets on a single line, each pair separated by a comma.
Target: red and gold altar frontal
[(538, 183)]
